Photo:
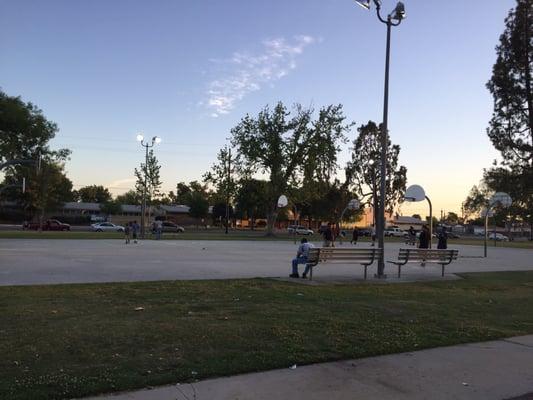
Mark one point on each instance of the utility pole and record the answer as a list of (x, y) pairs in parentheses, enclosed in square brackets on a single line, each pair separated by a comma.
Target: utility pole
[(228, 185)]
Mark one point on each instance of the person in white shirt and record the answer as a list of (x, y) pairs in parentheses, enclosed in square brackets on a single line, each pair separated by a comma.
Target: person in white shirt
[(301, 258)]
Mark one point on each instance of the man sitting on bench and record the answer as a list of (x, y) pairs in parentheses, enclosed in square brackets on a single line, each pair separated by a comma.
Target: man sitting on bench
[(301, 258)]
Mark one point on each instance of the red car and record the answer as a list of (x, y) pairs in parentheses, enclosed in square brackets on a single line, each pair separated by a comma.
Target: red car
[(48, 225)]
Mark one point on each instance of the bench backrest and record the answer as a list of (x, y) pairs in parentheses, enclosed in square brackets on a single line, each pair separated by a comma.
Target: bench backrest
[(345, 255), (427, 255)]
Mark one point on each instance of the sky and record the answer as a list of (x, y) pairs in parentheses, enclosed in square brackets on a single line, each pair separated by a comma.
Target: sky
[(189, 71)]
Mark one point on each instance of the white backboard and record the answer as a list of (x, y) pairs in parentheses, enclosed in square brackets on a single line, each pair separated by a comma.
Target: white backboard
[(415, 193), (502, 199), (283, 201)]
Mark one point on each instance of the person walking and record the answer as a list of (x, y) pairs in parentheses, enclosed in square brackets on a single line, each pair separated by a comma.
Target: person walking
[(411, 236), (355, 236), (302, 256), (443, 239), (158, 229), (127, 231), (134, 231), (373, 235), (328, 236)]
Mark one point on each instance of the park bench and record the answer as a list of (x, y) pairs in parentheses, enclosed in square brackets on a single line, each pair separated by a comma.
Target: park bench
[(442, 257), (365, 257)]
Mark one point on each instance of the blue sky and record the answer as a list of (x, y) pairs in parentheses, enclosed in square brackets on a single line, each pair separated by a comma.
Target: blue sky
[(188, 71)]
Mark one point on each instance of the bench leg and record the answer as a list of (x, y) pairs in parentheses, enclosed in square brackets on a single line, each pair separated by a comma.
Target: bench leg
[(399, 270), (366, 266), (311, 274), (442, 270)]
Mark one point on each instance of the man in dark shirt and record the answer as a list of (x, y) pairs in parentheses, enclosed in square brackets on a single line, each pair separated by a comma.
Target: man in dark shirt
[(328, 236)]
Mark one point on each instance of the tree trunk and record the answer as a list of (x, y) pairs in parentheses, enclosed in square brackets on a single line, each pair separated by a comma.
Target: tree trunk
[(271, 220)]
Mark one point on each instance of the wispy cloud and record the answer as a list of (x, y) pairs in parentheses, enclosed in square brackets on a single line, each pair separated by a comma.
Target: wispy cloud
[(250, 71)]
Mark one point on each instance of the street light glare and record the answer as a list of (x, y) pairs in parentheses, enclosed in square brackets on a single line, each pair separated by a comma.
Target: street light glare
[(140, 137), (157, 139)]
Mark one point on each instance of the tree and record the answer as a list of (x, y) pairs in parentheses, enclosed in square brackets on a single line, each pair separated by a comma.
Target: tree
[(198, 206), (130, 197), (280, 145), (25, 132), (148, 179), (511, 126), (252, 200), (417, 216), (363, 171), (452, 218), (46, 189), (93, 194), (111, 207)]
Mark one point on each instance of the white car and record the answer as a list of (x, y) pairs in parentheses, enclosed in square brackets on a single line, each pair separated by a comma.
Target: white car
[(300, 230), (107, 227), (397, 232), (498, 237)]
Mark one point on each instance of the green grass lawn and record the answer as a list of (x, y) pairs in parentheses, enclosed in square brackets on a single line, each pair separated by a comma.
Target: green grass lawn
[(64, 341)]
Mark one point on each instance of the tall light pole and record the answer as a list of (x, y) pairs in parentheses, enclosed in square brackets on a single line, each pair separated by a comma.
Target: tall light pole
[(146, 145), (393, 19)]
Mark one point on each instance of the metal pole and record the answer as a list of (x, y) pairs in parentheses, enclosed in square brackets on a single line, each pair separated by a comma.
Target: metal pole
[(383, 169), (143, 207), (486, 231), (227, 188), (430, 222)]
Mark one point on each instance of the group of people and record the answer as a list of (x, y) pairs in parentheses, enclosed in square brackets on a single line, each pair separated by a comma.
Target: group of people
[(131, 230), (329, 235)]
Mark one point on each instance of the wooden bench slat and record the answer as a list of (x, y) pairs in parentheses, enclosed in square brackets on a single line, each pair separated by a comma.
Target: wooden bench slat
[(438, 256)]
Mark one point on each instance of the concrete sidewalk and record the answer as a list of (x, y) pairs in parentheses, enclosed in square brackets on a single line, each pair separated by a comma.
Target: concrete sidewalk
[(501, 369)]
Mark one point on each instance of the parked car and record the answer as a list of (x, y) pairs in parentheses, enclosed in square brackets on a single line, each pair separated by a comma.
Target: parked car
[(498, 237), (48, 225), (170, 227), (396, 232), (300, 230), (107, 227)]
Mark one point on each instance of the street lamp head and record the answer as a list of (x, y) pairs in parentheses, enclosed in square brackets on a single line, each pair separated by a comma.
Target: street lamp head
[(398, 13), (140, 137), (364, 4), (156, 139)]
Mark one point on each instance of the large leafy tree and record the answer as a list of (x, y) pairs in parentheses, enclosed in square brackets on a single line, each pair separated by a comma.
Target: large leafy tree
[(363, 171), (93, 194), (281, 143), (25, 134), (511, 126)]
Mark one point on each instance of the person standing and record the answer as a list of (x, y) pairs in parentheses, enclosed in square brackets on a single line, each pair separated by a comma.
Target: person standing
[(443, 239), (134, 231), (302, 256), (158, 229), (127, 230), (328, 236), (373, 235), (423, 240), (355, 236)]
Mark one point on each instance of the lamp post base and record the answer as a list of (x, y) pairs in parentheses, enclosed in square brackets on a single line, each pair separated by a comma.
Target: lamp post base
[(384, 276)]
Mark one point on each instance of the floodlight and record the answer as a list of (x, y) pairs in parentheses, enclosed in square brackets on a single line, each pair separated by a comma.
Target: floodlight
[(140, 137), (399, 12), (364, 4)]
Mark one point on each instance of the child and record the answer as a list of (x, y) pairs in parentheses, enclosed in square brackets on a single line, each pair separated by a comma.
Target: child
[(127, 233)]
